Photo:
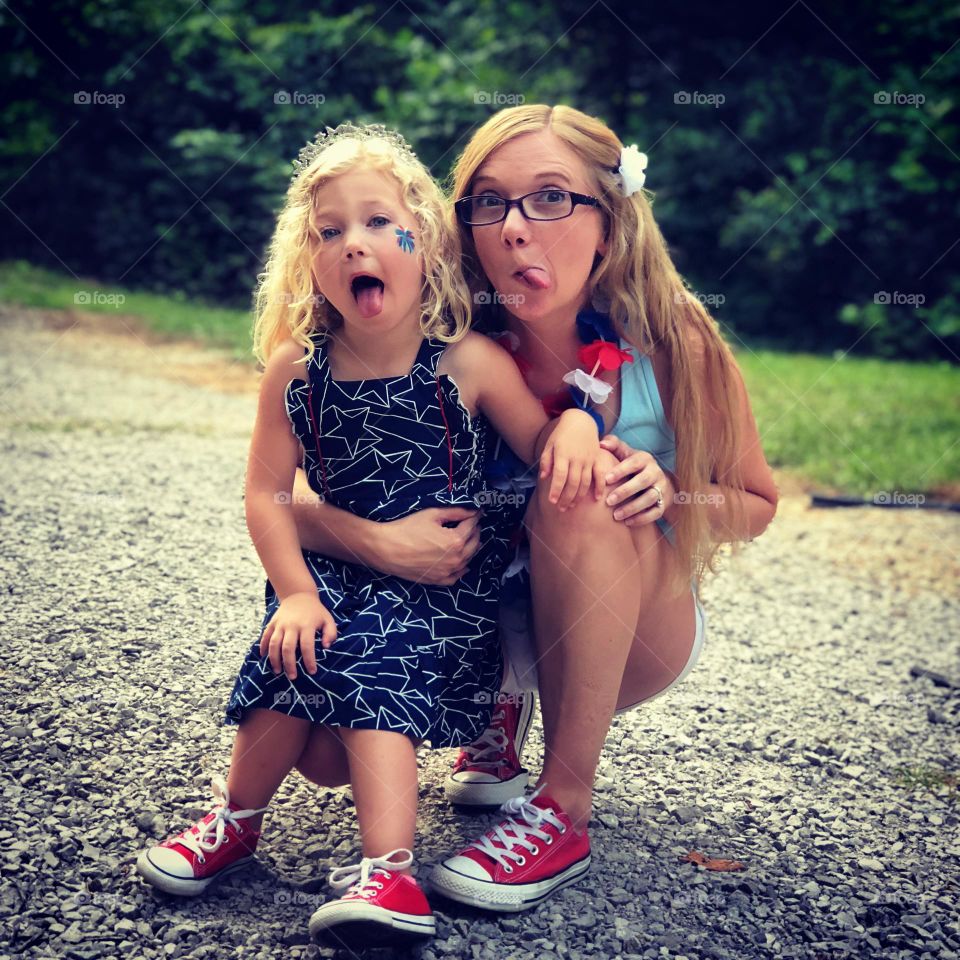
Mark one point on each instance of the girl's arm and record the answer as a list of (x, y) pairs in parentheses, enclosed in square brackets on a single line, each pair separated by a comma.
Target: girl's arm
[(274, 452), (569, 444), (489, 379)]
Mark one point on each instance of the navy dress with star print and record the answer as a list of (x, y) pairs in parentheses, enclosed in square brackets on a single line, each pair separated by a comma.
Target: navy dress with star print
[(418, 659)]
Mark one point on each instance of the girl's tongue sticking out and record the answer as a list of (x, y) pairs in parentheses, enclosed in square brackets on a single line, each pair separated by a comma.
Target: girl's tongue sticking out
[(368, 292)]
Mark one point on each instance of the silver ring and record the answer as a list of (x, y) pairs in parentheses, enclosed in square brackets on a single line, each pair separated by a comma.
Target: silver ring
[(659, 496)]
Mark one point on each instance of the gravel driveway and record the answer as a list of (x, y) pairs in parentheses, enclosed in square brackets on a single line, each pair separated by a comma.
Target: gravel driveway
[(816, 742)]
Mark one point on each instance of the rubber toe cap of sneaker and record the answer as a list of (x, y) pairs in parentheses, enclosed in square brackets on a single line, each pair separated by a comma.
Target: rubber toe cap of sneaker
[(171, 863), (473, 776), (466, 866)]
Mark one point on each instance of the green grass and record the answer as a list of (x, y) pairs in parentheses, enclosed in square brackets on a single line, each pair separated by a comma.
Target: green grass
[(857, 425), (854, 425), (174, 316)]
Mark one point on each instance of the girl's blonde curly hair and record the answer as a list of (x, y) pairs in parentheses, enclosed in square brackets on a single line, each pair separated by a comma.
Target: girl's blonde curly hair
[(288, 302)]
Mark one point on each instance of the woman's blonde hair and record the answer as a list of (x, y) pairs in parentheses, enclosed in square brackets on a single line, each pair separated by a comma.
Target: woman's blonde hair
[(288, 302), (651, 307)]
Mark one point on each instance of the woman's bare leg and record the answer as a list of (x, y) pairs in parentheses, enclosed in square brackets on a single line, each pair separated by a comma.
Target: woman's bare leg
[(593, 581), (265, 750), (661, 648), (383, 772)]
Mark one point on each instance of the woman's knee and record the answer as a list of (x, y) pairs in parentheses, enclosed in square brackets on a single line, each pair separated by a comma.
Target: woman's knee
[(324, 759)]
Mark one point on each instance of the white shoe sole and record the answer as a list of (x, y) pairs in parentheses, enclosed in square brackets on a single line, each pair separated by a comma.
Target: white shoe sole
[(501, 897), (355, 924), (181, 886), (467, 794)]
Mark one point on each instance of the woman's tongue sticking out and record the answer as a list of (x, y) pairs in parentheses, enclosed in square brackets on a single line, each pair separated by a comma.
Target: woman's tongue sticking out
[(534, 277)]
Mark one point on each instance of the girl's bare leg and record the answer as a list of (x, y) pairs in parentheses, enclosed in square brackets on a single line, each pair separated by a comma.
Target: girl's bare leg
[(593, 583), (383, 772), (324, 758), (266, 748)]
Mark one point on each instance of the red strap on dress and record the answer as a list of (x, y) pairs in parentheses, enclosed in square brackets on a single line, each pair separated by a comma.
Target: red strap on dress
[(446, 427), (316, 438)]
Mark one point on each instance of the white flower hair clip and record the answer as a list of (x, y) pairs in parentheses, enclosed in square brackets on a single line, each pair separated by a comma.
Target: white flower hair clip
[(631, 173)]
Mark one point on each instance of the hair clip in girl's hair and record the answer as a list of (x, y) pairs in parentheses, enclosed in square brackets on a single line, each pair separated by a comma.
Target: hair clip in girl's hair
[(349, 131), (631, 173)]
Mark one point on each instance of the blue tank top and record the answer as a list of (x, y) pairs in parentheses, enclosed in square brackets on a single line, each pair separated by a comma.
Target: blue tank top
[(642, 423)]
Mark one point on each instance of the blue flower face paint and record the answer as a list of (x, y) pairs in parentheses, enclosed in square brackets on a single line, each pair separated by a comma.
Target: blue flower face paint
[(405, 240)]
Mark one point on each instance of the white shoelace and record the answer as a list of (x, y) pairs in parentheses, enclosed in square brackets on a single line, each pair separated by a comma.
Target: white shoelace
[(523, 821), (492, 741), (197, 839), (361, 877)]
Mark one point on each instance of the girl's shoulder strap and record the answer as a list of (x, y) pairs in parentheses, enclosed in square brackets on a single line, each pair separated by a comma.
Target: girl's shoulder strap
[(428, 356)]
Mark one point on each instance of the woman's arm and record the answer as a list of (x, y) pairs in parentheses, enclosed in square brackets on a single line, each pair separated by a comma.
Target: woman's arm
[(638, 472), (418, 547), (760, 496)]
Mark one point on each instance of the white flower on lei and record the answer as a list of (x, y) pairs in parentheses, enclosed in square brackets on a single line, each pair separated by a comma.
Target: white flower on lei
[(597, 390)]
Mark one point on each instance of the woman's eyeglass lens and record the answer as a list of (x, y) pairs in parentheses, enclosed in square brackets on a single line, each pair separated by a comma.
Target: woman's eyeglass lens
[(541, 205)]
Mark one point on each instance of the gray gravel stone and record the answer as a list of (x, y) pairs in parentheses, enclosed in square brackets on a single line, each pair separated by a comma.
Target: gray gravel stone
[(800, 745)]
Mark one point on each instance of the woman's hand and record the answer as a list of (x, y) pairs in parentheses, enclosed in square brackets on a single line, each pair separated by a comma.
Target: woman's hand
[(572, 454), (295, 624), (634, 500), (421, 548)]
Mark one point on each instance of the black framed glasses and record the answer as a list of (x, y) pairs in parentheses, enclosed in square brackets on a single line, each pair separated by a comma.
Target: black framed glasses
[(539, 205)]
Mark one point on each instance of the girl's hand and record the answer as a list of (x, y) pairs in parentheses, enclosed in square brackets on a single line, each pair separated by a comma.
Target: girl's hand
[(642, 473), (295, 624), (572, 454)]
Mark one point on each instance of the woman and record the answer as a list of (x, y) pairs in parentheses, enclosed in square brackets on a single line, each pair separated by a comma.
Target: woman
[(554, 222)]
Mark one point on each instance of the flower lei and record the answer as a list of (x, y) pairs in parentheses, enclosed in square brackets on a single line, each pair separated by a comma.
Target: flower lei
[(600, 350)]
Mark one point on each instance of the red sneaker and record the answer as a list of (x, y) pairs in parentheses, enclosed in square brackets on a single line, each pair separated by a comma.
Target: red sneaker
[(521, 861), (215, 846), (381, 906), (487, 772)]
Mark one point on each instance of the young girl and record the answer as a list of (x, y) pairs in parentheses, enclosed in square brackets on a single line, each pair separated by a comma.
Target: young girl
[(362, 320)]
